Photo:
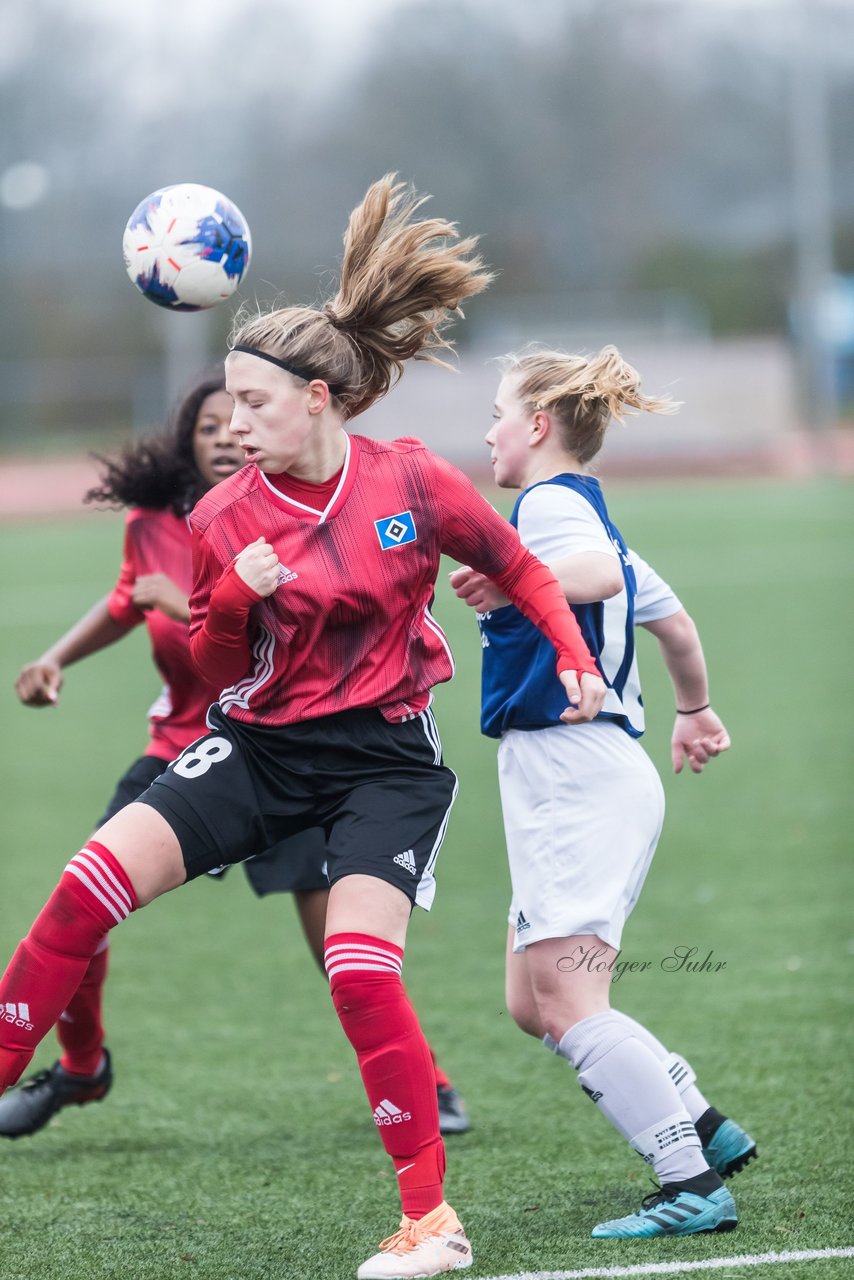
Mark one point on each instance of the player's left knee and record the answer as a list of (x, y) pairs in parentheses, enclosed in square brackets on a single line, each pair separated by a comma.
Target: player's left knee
[(523, 1010)]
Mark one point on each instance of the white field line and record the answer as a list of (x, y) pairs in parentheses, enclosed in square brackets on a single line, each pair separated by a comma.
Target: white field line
[(678, 1268)]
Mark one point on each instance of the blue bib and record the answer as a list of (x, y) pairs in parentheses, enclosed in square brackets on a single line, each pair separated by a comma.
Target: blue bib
[(520, 688)]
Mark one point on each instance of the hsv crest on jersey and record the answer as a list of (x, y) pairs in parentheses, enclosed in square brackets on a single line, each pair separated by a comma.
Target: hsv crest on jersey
[(395, 531), (290, 665)]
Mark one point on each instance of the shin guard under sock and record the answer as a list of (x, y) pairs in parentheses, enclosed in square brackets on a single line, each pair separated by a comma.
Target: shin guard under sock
[(632, 1088), (394, 1060), (681, 1072), (93, 894), (80, 1029)]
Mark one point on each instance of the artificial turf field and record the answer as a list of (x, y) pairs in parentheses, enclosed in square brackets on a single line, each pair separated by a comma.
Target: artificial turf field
[(237, 1143)]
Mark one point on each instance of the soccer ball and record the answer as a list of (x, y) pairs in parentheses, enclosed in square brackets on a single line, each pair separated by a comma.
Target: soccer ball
[(187, 247)]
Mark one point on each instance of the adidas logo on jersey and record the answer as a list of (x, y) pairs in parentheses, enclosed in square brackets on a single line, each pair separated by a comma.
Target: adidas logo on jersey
[(388, 1113), (16, 1014), (407, 861), (521, 923), (286, 575)]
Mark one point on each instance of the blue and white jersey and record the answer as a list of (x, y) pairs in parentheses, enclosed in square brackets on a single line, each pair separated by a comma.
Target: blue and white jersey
[(520, 689), (654, 599)]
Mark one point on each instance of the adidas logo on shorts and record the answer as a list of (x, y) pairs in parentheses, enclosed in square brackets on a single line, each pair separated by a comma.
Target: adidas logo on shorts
[(521, 923), (407, 861), (388, 1113)]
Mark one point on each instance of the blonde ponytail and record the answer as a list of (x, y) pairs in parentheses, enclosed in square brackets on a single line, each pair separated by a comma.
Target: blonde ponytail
[(403, 279), (583, 392)]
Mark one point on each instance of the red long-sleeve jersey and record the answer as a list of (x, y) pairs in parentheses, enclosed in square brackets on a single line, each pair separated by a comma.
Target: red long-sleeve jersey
[(350, 624), (160, 542)]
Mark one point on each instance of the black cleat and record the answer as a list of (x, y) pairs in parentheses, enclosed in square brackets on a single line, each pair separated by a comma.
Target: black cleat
[(729, 1149), (453, 1117), (726, 1146), (28, 1108)]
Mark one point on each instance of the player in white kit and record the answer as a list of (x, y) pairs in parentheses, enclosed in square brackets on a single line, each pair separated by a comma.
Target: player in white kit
[(583, 805)]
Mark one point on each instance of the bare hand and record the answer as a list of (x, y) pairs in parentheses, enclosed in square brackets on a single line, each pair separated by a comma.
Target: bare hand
[(698, 738), (39, 683), (157, 591), (585, 701), (476, 590), (258, 566)]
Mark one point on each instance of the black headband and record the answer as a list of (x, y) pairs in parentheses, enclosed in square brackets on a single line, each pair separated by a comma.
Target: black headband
[(290, 367)]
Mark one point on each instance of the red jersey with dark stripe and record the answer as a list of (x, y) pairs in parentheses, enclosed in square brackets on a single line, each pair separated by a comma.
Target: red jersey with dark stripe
[(160, 542), (350, 624)]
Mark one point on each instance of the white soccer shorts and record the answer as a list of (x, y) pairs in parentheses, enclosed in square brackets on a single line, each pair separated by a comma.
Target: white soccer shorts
[(583, 807)]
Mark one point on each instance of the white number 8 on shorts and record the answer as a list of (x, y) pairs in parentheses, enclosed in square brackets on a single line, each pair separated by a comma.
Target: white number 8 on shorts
[(196, 761)]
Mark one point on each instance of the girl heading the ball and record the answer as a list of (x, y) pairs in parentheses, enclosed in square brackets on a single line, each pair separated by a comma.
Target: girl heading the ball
[(314, 571)]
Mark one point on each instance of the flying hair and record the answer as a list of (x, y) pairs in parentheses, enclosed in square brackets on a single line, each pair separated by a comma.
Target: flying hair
[(160, 472), (403, 280), (584, 393)]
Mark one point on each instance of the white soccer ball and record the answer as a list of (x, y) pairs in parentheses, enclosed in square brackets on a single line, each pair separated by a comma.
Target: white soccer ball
[(187, 247)]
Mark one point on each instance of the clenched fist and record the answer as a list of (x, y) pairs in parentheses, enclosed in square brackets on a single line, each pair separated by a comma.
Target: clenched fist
[(258, 566)]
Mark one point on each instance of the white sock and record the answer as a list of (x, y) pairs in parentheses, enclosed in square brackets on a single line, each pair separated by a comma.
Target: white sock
[(681, 1072), (631, 1087)]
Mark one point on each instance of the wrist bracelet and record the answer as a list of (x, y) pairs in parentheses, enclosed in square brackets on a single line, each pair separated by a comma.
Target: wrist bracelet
[(694, 710)]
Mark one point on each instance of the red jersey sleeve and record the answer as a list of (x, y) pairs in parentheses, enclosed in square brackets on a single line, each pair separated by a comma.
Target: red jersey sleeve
[(120, 600), (219, 618), (474, 533)]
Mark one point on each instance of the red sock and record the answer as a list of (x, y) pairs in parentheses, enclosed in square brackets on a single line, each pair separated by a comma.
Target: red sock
[(80, 1029), (394, 1059), (442, 1081), (93, 894)]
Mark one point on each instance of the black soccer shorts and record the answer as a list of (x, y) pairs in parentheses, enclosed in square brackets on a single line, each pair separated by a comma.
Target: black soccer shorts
[(297, 865), (379, 791), (132, 783)]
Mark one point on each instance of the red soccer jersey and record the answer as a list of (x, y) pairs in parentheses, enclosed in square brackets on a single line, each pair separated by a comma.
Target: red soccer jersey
[(350, 624), (160, 542)]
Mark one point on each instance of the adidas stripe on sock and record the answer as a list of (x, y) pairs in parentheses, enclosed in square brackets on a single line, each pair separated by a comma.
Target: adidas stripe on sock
[(394, 1060), (93, 894), (632, 1088)]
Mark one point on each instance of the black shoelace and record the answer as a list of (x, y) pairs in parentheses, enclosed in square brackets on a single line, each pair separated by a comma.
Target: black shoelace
[(668, 1193), (41, 1077)]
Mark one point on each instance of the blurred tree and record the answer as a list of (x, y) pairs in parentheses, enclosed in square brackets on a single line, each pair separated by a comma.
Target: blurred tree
[(745, 292)]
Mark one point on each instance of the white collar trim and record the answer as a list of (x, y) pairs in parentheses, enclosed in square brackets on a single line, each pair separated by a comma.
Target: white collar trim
[(315, 511)]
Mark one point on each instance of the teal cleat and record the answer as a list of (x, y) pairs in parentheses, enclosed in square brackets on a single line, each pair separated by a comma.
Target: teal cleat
[(671, 1211), (729, 1149)]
